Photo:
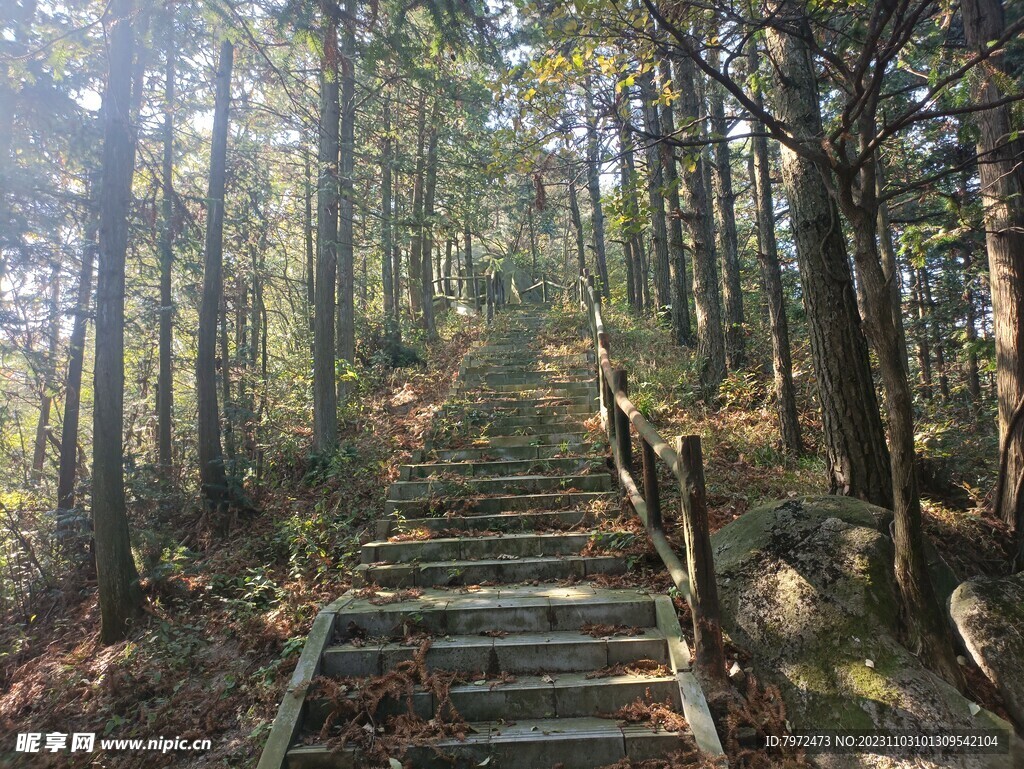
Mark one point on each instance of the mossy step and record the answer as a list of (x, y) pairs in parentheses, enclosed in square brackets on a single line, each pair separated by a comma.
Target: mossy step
[(559, 651), (504, 522), (469, 548), (498, 504), (546, 408), (567, 437), (473, 486), (489, 422), (572, 743), (567, 389), (490, 571), (503, 608)]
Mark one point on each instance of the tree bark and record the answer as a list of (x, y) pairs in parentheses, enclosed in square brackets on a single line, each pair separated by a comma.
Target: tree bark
[(387, 239), (594, 186), (676, 250), (655, 185), (49, 375), (697, 218), (120, 598), (854, 441), (211, 459), (725, 199), (165, 377), (325, 393), (345, 334), (427, 224), (771, 277), (577, 224), (1001, 165), (310, 249), (416, 289)]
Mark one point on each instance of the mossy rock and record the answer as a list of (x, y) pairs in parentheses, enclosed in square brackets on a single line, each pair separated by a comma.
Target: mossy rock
[(989, 616), (806, 586)]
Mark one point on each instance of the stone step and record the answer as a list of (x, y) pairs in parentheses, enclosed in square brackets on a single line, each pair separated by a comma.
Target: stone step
[(475, 486), (489, 423), (504, 522), (531, 450), (538, 368), (510, 609), (568, 389), (512, 408), (525, 357), (491, 571), (492, 468), (474, 548), (569, 438), (564, 695), (559, 651), (498, 504), (569, 743)]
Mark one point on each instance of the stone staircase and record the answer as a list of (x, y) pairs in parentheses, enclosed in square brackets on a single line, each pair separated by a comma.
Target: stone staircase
[(486, 550)]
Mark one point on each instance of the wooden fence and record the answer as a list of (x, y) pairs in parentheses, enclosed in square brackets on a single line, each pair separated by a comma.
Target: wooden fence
[(696, 579)]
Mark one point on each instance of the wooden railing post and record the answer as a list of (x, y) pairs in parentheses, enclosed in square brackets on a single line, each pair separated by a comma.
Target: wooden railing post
[(489, 285), (623, 443), (603, 387), (652, 495), (543, 287), (709, 660)]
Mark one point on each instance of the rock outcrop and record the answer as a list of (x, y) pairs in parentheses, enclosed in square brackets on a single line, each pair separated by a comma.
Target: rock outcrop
[(807, 587)]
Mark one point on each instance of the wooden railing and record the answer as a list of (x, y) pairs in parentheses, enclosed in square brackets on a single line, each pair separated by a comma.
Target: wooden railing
[(695, 579)]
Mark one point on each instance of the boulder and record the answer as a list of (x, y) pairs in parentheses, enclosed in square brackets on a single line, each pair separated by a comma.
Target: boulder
[(989, 616), (806, 586)]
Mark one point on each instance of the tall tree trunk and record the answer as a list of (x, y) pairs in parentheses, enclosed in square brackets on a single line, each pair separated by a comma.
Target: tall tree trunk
[(211, 458), (936, 334), (641, 288), (325, 393), (310, 251), (924, 344), (676, 249), (76, 357), (387, 240), (697, 218), (165, 378), (971, 326), (655, 185), (577, 224), (890, 264), (594, 186), (471, 284), (416, 245), (854, 440), (430, 185), (725, 199), (120, 599), (1001, 164), (771, 276), (49, 375), (345, 334)]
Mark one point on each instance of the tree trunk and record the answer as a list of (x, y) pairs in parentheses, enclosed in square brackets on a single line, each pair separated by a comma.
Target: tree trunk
[(76, 357), (932, 323), (697, 218), (771, 276), (427, 224), (1001, 164), (325, 393), (655, 185), (676, 250), (471, 277), (890, 264), (577, 224), (345, 334), (387, 244), (310, 252), (594, 186), (924, 345), (725, 199), (971, 326), (854, 441), (165, 378), (211, 459), (49, 374), (416, 289), (120, 599)]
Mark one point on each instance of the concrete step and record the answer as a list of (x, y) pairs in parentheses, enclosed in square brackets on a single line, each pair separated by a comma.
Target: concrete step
[(571, 743), (489, 422), (503, 522), (491, 571), (569, 438), (530, 451), (510, 609), (559, 651), (512, 408), (422, 508), (564, 695), (493, 468), (475, 486), (474, 548), (567, 389)]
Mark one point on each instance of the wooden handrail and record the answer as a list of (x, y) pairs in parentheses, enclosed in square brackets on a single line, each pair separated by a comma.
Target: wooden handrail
[(696, 580)]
